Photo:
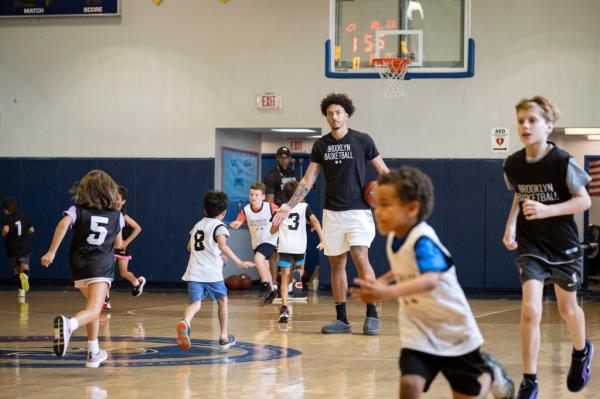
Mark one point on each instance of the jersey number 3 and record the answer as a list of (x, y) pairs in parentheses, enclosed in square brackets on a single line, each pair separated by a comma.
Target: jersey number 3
[(98, 227), (295, 220)]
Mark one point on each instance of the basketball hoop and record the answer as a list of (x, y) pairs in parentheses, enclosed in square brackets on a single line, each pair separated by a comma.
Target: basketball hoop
[(392, 72)]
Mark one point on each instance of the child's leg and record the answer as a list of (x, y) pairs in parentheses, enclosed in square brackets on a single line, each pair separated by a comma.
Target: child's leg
[(191, 310), (262, 267), (125, 273), (411, 386), (572, 314), (223, 318), (94, 294), (285, 279), (273, 267), (531, 315)]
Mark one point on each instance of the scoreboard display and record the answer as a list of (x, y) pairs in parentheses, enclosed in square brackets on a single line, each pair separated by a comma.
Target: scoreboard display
[(58, 8)]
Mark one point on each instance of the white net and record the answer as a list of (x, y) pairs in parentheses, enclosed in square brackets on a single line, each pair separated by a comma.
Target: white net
[(392, 72)]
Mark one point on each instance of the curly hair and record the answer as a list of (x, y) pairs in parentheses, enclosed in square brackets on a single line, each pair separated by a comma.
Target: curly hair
[(215, 203), (550, 112), (339, 99), (96, 190), (411, 185)]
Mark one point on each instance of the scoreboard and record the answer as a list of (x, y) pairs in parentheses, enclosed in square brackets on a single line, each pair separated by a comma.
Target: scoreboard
[(58, 8)]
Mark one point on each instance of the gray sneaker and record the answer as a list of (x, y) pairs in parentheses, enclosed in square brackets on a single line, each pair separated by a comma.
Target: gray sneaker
[(62, 335), (502, 386), (371, 326), (336, 327), (94, 360)]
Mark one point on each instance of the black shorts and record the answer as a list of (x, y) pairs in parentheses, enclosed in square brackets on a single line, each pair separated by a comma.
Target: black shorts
[(462, 372), (266, 249), (566, 275), (15, 261), (287, 260)]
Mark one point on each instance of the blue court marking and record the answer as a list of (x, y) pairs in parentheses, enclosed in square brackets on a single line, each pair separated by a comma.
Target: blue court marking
[(141, 352)]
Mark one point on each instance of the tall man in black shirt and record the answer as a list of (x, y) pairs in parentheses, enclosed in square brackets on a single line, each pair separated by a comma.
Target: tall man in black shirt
[(348, 223)]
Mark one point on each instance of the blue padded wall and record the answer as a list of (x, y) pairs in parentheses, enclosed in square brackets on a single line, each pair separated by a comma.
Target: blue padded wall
[(165, 197)]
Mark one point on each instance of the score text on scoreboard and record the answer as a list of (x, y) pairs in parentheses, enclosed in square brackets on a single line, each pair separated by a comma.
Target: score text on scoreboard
[(268, 100), (360, 48)]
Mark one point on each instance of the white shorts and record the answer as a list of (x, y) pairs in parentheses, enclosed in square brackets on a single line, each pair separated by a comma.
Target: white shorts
[(344, 229), (86, 281)]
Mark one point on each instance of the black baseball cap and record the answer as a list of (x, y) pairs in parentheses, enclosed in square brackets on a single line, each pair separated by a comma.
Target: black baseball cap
[(284, 151)]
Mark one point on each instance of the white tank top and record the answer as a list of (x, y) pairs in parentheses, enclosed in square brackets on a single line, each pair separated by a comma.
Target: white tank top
[(205, 264), (259, 225), (440, 321), (292, 232)]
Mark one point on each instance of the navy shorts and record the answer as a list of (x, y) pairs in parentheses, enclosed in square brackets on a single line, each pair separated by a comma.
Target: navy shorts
[(566, 275), (462, 372), (266, 249), (286, 260), (198, 291)]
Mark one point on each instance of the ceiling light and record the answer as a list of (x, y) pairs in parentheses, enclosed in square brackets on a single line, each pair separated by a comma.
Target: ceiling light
[(582, 130), (595, 137), (292, 130)]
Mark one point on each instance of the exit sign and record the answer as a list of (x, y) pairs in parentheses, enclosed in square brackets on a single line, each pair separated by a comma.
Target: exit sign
[(268, 100)]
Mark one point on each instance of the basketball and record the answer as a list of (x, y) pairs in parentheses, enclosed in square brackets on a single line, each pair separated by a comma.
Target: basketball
[(369, 193), (233, 282), (245, 281)]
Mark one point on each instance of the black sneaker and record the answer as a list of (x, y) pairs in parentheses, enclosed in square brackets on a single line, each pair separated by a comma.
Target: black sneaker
[(579, 372), (106, 305), (270, 297), (284, 314), (137, 291), (528, 389)]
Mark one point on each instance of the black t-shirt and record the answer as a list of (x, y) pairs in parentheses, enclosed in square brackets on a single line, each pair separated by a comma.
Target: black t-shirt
[(92, 246), (554, 239), (275, 181), (17, 239), (344, 164)]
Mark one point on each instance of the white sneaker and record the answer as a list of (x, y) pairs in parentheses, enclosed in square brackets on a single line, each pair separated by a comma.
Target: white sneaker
[(502, 387), (62, 335), (94, 360)]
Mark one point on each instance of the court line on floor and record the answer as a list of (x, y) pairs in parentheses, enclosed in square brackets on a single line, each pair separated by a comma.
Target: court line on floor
[(498, 312)]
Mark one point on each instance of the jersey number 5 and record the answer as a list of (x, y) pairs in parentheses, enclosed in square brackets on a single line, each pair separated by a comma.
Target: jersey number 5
[(198, 240), (97, 225)]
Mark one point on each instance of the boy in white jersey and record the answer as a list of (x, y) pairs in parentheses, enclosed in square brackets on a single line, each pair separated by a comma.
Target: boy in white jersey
[(204, 274), (438, 331), (291, 246), (259, 213)]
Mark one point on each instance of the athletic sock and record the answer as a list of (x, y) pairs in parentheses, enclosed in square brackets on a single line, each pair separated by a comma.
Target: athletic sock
[(136, 283), (340, 308), (371, 310), (530, 377), (73, 325), (93, 346)]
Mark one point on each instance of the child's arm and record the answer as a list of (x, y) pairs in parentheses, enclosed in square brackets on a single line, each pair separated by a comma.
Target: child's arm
[(316, 227), (222, 243), (137, 229), (239, 221), (511, 226), (59, 234), (274, 229), (5, 230), (374, 291), (189, 244), (580, 202), (31, 230), (119, 241), (386, 278)]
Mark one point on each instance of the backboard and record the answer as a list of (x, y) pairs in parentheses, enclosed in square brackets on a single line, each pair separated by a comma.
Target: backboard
[(435, 34)]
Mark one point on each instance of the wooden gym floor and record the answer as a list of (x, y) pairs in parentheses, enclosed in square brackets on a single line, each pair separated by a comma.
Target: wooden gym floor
[(271, 360)]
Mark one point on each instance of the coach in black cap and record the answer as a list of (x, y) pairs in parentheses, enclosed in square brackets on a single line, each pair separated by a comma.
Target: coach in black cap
[(278, 176)]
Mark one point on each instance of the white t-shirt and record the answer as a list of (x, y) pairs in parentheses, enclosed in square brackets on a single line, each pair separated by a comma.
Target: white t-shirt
[(205, 264), (439, 322)]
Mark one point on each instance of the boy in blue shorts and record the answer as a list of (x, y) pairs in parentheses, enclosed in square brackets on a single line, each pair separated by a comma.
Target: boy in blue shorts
[(204, 274)]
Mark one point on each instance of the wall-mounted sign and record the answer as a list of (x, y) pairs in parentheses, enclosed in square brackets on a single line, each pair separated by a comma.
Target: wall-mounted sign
[(58, 8), (268, 100), (500, 139)]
